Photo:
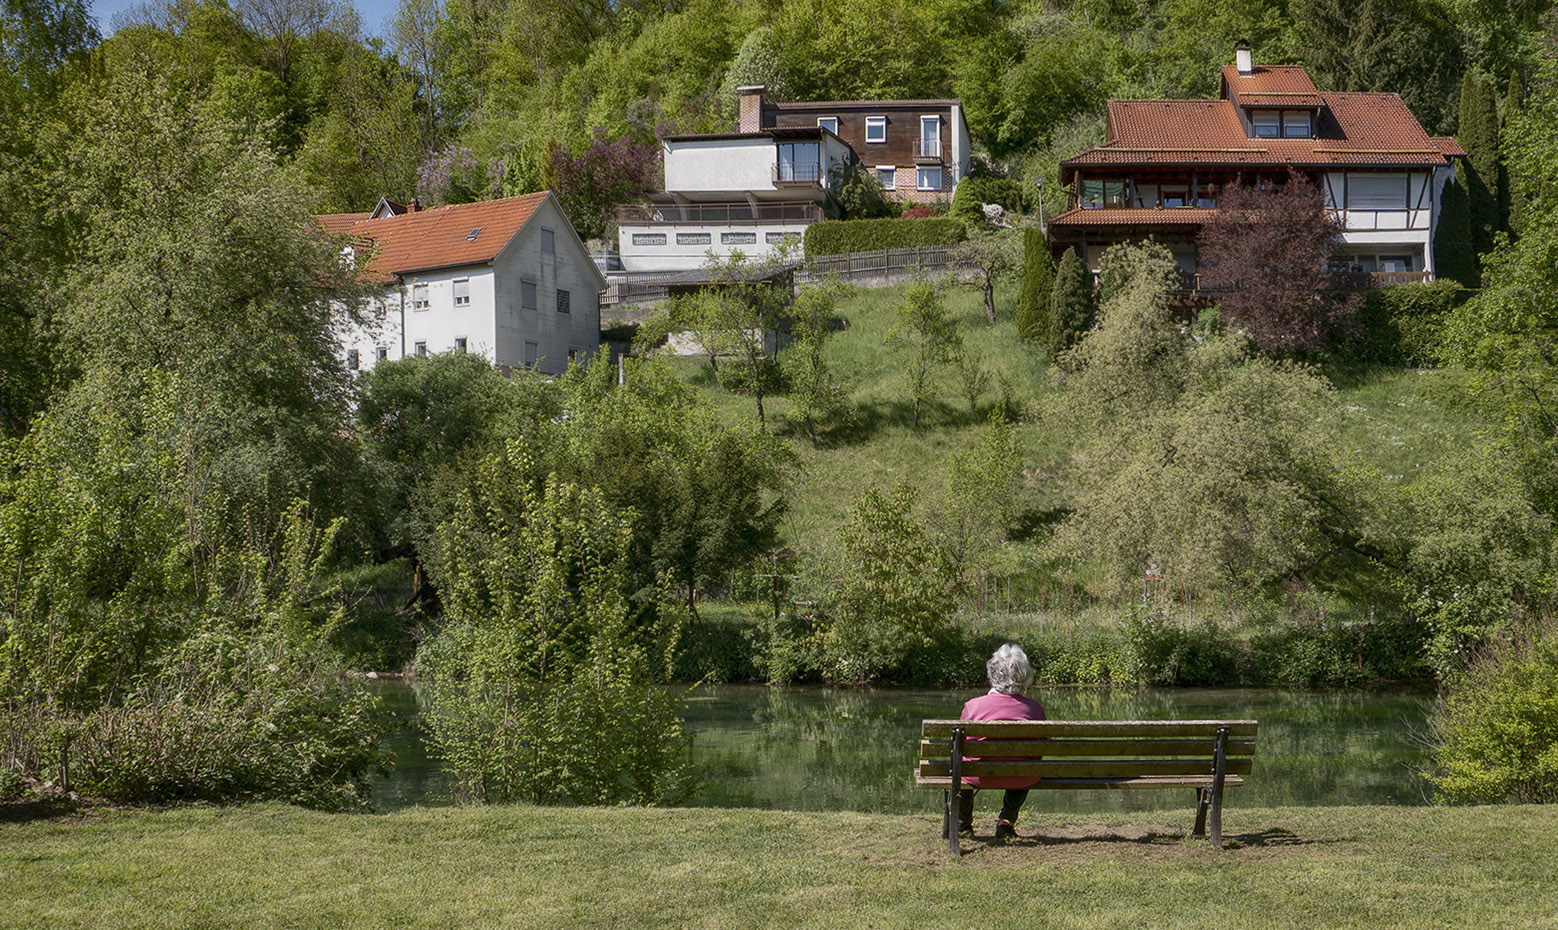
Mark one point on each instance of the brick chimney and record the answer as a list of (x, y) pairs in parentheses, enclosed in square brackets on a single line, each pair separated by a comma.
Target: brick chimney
[(749, 108), (1243, 56)]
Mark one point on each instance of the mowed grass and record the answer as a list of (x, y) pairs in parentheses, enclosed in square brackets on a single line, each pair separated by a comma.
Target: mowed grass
[(272, 866)]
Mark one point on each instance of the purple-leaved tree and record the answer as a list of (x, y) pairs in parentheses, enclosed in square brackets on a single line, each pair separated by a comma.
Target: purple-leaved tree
[(605, 174)]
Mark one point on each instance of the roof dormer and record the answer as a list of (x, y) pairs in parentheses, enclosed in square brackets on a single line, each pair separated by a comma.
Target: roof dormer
[(1273, 101)]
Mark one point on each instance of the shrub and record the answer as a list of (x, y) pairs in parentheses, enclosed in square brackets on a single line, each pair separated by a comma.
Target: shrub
[(976, 190), (839, 237), (1496, 727), (1169, 653), (1402, 324), (921, 211), (1038, 280), (1072, 307)]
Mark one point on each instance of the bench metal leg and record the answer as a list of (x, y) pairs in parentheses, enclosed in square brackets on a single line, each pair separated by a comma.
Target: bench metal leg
[(1203, 800), (1219, 773), (954, 816)]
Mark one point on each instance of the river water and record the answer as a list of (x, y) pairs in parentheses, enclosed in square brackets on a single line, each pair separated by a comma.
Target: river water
[(828, 749)]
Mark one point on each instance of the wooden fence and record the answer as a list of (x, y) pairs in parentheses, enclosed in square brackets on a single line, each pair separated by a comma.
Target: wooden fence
[(881, 266)]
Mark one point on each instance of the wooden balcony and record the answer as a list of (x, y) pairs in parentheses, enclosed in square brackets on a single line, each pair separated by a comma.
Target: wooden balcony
[(1190, 283)]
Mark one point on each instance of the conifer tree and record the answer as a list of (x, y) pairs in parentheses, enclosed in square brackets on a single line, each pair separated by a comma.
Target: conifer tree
[(1033, 298), (1478, 135), (1512, 199), (1071, 304), (1454, 257)]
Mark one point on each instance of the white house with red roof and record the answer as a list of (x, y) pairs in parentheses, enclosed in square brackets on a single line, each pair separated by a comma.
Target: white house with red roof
[(508, 279), (1164, 162)]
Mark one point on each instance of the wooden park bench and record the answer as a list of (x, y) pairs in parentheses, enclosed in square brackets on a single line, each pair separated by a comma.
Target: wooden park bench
[(1206, 755)]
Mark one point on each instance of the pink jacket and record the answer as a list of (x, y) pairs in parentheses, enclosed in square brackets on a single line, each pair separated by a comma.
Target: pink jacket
[(1001, 707)]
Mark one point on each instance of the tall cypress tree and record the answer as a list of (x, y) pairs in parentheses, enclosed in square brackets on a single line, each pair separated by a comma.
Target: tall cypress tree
[(1478, 135), (1071, 304), (1512, 200), (1453, 254), (1038, 279)]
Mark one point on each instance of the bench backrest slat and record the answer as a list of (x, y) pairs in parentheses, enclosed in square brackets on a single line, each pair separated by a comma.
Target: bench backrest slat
[(1079, 768), (1163, 729), (941, 748)]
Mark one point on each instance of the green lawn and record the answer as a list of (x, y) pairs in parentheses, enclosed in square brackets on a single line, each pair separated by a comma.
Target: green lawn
[(273, 866)]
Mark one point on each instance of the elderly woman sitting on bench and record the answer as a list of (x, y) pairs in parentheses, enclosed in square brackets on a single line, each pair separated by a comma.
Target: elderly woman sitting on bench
[(1010, 675)]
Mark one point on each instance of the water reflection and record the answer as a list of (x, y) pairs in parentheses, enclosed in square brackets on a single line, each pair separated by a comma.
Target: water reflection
[(821, 749)]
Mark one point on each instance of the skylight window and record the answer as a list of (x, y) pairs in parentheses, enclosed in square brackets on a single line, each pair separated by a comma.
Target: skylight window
[(471, 237)]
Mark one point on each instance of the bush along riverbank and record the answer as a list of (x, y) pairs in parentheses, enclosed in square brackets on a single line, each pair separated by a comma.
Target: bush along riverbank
[(1313, 649)]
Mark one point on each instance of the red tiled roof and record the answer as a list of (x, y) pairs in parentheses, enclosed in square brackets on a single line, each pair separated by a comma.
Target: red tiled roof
[(1270, 85), (1360, 129), (1449, 146), (437, 238), (1133, 216)]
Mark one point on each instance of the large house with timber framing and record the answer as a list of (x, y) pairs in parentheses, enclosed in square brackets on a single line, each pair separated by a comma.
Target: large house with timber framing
[(1164, 162)]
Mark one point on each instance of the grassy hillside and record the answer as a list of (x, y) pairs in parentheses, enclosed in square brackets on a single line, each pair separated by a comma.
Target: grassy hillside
[(267, 866), (1398, 420)]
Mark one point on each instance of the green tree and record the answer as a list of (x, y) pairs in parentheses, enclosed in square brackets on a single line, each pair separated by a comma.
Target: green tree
[(1512, 204), (980, 502), (736, 317), (1455, 257), (1038, 280), (544, 689), (892, 598), (994, 255), (816, 397), (930, 337), (756, 63), (1478, 135), (1125, 263), (1071, 304)]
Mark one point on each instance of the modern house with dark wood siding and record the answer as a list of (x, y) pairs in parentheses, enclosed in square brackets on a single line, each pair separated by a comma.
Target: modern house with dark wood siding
[(1163, 164)]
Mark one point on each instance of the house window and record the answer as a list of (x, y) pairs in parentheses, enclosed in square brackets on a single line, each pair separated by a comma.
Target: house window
[(527, 295), (548, 242), (649, 238), (419, 299), (886, 176), (1097, 194), (1174, 196), (462, 292), (532, 352), (1377, 191), (799, 161), (694, 238), (562, 301), (929, 179), (830, 123), (930, 137), (1267, 123), (459, 345), (774, 238), (876, 129), (1296, 124), (737, 238), (353, 360), (382, 352), (573, 353), (419, 349)]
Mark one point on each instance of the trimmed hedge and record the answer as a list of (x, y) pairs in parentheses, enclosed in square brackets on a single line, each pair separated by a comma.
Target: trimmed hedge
[(838, 237), (1401, 324)]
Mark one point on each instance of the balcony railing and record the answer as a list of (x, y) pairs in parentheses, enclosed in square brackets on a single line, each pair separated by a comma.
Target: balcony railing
[(799, 173), (717, 214), (927, 150), (1340, 280)]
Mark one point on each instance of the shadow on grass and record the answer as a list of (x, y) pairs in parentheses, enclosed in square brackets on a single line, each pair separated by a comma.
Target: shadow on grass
[(35, 809)]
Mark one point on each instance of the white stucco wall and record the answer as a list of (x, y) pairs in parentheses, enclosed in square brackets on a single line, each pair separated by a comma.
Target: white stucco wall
[(720, 165), (570, 269), (686, 256)]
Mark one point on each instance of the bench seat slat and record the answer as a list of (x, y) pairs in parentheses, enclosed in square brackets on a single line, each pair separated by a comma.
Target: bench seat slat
[(1120, 782), (1077, 768), (1090, 747), (1169, 729)]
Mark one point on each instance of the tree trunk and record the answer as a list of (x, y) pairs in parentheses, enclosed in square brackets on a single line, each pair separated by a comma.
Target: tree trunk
[(990, 299)]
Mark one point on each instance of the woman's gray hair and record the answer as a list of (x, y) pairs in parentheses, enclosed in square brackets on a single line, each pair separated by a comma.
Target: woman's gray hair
[(1008, 670)]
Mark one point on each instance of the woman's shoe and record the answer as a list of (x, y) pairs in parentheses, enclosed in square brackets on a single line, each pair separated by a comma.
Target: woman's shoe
[(1005, 829)]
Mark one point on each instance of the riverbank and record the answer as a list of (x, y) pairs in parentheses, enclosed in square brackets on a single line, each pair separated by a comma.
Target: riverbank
[(274, 866)]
